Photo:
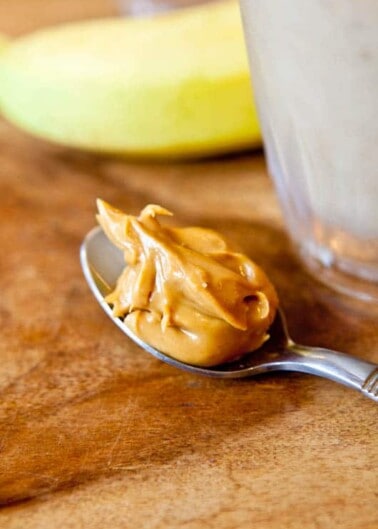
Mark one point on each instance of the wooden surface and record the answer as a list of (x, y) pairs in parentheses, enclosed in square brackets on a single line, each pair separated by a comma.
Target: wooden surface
[(94, 433)]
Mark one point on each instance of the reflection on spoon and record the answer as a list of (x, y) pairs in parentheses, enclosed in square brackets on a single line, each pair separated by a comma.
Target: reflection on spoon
[(102, 264)]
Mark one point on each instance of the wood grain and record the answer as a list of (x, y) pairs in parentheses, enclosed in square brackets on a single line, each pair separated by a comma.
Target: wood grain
[(95, 433)]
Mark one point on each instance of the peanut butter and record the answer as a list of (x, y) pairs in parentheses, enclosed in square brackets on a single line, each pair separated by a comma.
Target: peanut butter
[(185, 291)]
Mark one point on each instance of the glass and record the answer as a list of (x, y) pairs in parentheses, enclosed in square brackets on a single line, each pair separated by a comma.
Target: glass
[(150, 7), (314, 66)]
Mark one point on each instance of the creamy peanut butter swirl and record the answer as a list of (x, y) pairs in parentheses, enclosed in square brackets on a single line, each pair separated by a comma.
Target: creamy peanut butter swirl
[(184, 291)]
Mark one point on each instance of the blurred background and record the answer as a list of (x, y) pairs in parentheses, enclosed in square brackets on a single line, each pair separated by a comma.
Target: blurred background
[(27, 15)]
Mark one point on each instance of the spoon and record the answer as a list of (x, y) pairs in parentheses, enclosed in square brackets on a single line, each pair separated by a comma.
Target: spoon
[(102, 264)]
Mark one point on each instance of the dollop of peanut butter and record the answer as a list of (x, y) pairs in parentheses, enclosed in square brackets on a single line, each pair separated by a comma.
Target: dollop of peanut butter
[(185, 291)]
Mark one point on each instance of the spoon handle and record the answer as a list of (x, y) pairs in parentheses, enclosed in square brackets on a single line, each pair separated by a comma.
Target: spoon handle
[(339, 367)]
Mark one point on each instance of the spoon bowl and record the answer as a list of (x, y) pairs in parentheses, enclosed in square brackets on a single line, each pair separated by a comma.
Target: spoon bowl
[(102, 264)]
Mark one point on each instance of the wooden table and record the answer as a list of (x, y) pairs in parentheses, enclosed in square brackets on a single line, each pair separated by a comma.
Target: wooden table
[(95, 433)]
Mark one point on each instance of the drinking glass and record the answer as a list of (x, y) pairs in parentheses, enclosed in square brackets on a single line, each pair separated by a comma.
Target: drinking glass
[(314, 68)]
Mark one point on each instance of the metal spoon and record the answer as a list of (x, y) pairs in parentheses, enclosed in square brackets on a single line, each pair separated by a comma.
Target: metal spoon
[(102, 263)]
